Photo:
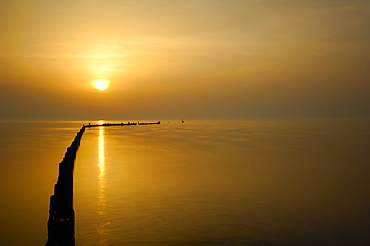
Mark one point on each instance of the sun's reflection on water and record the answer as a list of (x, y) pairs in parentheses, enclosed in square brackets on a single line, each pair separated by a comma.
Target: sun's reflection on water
[(101, 230), (101, 153)]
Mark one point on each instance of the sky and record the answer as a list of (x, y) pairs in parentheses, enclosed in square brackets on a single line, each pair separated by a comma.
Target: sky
[(191, 59)]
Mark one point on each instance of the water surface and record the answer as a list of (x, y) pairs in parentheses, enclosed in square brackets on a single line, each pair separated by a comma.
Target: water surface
[(30, 153), (198, 183), (224, 183)]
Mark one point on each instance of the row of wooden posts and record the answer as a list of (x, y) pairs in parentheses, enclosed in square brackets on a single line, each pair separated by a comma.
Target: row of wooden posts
[(61, 223)]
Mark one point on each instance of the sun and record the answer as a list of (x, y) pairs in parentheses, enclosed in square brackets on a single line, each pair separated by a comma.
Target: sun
[(101, 85)]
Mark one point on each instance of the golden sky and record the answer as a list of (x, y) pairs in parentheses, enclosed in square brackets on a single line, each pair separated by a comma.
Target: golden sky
[(191, 59)]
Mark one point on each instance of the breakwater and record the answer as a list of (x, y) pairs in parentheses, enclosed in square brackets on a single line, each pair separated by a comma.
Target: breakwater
[(111, 124), (124, 124), (61, 223)]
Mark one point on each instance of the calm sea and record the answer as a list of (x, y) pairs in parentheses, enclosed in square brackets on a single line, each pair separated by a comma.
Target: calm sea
[(294, 182)]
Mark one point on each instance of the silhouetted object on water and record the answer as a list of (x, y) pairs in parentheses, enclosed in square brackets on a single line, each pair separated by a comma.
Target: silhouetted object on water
[(61, 224), (149, 123), (124, 124), (182, 121), (112, 124)]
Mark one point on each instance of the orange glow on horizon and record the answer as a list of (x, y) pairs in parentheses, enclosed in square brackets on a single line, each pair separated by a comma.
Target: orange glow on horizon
[(116, 59)]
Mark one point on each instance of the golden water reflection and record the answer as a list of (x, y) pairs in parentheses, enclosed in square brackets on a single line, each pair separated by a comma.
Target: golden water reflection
[(101, 153), (101, 197)]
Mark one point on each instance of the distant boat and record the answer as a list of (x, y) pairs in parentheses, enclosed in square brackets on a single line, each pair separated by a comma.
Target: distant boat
[(182, 121)]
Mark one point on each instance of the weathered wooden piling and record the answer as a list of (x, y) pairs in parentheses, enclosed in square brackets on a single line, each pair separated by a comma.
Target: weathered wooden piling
[(61, 224)]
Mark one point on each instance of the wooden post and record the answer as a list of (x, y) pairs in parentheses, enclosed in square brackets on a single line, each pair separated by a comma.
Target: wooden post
[(61, 224)]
